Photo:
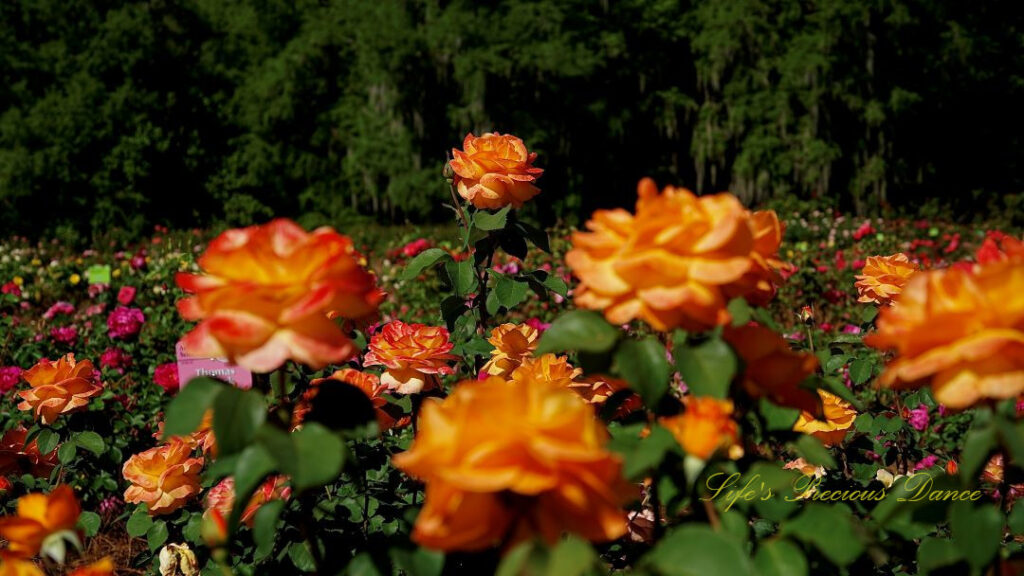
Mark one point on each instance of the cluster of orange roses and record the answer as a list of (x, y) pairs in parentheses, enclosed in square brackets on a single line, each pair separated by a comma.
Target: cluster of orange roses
[(959, 329), (41, 525)]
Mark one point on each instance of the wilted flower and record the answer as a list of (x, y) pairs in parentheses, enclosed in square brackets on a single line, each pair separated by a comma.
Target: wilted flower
[(165, 478), (705, 428), (178, 560), (57, 388), (266, 293), (411, 354), (495, 170), (504, 461)]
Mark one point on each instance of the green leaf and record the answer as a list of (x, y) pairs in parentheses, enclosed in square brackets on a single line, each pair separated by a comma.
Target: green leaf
[(571, 557), (423, 260), (89, 522), (139, 522), (462, 276), (301, 556), (537, 236), (977, 531), (860, 370), (514, 562), (697, 550), (1012, 436), (740, 311), (707, 368), (812, 450), (580, 330), (868, 314), (777, 417), (829, 528), (264, 527), (254, 464), (47, 440), (641, 455), (186, 411), (418, 562), (935, 553), (66, 453), (319, 454), (192, 529), (978, 444), (780, 558), (236, 416), (556, 285), (156, 536), (90, 441), (488, 221), (510, 292), (644, 365), (1015, 520)]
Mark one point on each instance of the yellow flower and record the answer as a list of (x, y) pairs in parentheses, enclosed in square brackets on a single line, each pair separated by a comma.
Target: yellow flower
[(74, 279), (18, 280), (36, 262), (837, 420), (116, 273)]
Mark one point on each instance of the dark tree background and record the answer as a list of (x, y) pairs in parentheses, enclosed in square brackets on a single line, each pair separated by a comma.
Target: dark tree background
[(191, 112)]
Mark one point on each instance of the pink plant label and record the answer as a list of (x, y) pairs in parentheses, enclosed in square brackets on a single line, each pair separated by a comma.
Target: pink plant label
[(190, 367)]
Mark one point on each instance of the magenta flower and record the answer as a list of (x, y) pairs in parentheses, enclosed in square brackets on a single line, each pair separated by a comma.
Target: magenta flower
[(66, 308), (166, 376), (115, 359), (9, 378), (926, 462), (124, 323), (126, 295), (919, 418), (536, 324)]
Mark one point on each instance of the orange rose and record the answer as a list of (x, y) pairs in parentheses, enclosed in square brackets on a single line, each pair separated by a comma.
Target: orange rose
[(17, 457), (512, 343), (505, 461), (388, 415), (599, 388), (164, 478), (59, 387), (838, 418), (103, 567), (676, 263), (495, 170), (884, 277), (12, 565), (961, 332), (759, 284), (772, 370), (410, 352), (222, 497), (705, 427), (38, 517), (266, 293), (201, 438), (549, 369)]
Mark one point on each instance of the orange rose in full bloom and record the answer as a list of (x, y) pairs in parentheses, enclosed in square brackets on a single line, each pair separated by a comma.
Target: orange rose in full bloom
[(266, 292), (962, 332), (677, 262), (495, 170), (837, 420), (388, 415), (103, 567), (38, 517), (884, 277), (705, 428), (164, 478), (512, 343), (548, 369), (505, 461), (772, 369), (59, 387), (222, 497), (411, 354)]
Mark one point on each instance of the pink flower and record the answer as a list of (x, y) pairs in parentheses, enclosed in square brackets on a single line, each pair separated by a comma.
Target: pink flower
[(96, 309), (926, 462), (64, 334), (97, 289), (919, 417), (126, 295), (536, 324), (66, 308), (825, 327), (138, 261), (115, 359), (166, 376), (123, 323), (9, 378), (415, 247), (851, 329), (864, 230)]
